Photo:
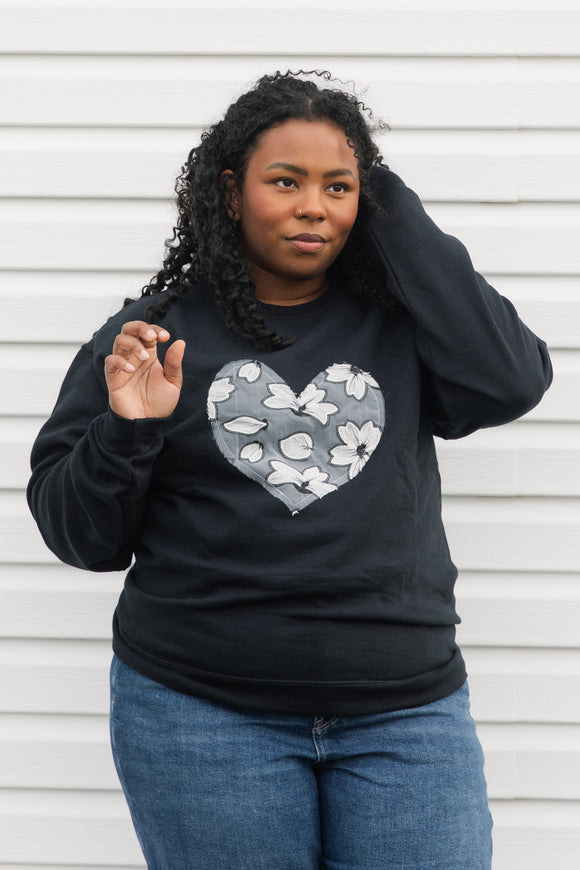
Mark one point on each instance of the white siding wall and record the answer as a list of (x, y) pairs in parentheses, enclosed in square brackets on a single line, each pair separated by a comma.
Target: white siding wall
[(99, 103)]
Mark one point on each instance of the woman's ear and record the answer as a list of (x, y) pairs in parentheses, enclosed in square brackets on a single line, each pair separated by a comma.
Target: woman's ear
[(231, 192)]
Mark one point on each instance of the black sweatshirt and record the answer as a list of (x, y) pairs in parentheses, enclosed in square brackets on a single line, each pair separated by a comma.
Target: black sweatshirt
[(284, 525)]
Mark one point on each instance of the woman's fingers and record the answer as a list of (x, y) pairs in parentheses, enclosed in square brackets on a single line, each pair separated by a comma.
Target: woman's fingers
[(147, 334), (115, 364), (127, 346), (135, 342), (172, 363), (139, 386)]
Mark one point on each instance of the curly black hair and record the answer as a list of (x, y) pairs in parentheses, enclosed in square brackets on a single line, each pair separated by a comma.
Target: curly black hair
[(206, 244)]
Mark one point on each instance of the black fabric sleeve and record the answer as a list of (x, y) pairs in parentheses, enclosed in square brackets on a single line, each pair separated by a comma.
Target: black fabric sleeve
[(483, 366), (91, 471)]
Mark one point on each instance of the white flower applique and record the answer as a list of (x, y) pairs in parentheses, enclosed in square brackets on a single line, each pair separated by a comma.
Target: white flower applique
[(298, 446), (245, 425), (250, 371), (310, 480), (309, 402), (220, 391), (354, 379), (358, 445), (252, 452)]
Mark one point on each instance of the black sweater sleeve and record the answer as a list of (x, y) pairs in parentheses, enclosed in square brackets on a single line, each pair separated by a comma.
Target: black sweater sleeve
[(483, 366), (90, 473)]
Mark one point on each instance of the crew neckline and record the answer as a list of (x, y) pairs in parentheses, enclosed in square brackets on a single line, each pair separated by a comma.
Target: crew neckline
[(302, 309)]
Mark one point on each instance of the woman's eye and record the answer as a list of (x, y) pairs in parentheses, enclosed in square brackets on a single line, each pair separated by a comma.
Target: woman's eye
[(338, 187), (285, 182)]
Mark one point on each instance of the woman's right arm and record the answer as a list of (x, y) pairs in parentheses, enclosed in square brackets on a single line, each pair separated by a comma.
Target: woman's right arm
[(93, 459)]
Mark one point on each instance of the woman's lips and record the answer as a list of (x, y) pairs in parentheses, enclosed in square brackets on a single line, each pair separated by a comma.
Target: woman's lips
[(307, 243)]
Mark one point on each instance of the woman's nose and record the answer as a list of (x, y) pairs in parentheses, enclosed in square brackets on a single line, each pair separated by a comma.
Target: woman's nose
[(311, 206)]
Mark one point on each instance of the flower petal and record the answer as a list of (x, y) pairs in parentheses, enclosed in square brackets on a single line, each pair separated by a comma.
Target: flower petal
[(342, 455), (250, 371), (321, 411), (284, 474), (338, 373), (297, 446), (350, 434), (282, 397), (252, 452), (357, 465), (356, 387), (320, 489), (245, 425), (316, 481), (221, 390), (310, 394), (314, 473), (370, 435)]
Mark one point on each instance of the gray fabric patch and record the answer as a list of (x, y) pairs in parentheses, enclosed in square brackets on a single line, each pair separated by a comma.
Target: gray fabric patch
[(299, 448)]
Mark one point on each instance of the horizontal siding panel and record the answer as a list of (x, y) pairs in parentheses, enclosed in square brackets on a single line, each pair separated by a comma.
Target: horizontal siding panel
[(521, 534), (543, 89), (16, 440), (68, 752), (70, 306), (62, 677), (548, 304), (67, 307), (527, 238), (60, 752), (501, 238), (489, 534), (58, 602), (38, 318), (534, 762), (519, 610), (59, 829), (513, 460), (157, 92), (413, 92), (539, 152), (562, 400), (86, 235), (20, 540), (93, 163), (506, 461), (255, 29), (536, 835), (486, 165), (30, 384), (30, 379), (524, 685), (507, 685), (460, 165)]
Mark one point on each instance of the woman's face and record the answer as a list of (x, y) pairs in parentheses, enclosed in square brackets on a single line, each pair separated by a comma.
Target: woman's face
[(298, 203)]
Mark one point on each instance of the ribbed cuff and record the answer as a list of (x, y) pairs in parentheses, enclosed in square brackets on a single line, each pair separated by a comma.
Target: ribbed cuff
[(130, 437)]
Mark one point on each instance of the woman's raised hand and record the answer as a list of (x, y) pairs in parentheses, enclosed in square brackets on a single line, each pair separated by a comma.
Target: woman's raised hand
[(139, 386)]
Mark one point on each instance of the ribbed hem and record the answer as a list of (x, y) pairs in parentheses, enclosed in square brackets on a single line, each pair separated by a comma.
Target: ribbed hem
[(340, 698)]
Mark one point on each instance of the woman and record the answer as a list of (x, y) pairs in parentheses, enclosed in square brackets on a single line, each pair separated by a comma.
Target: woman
[(286, 688)]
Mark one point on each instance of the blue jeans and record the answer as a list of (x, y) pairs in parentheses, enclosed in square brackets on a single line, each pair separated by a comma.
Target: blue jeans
[(213, 788)]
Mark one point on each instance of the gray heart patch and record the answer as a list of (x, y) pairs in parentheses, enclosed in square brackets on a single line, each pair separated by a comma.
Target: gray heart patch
[(298, 447)]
